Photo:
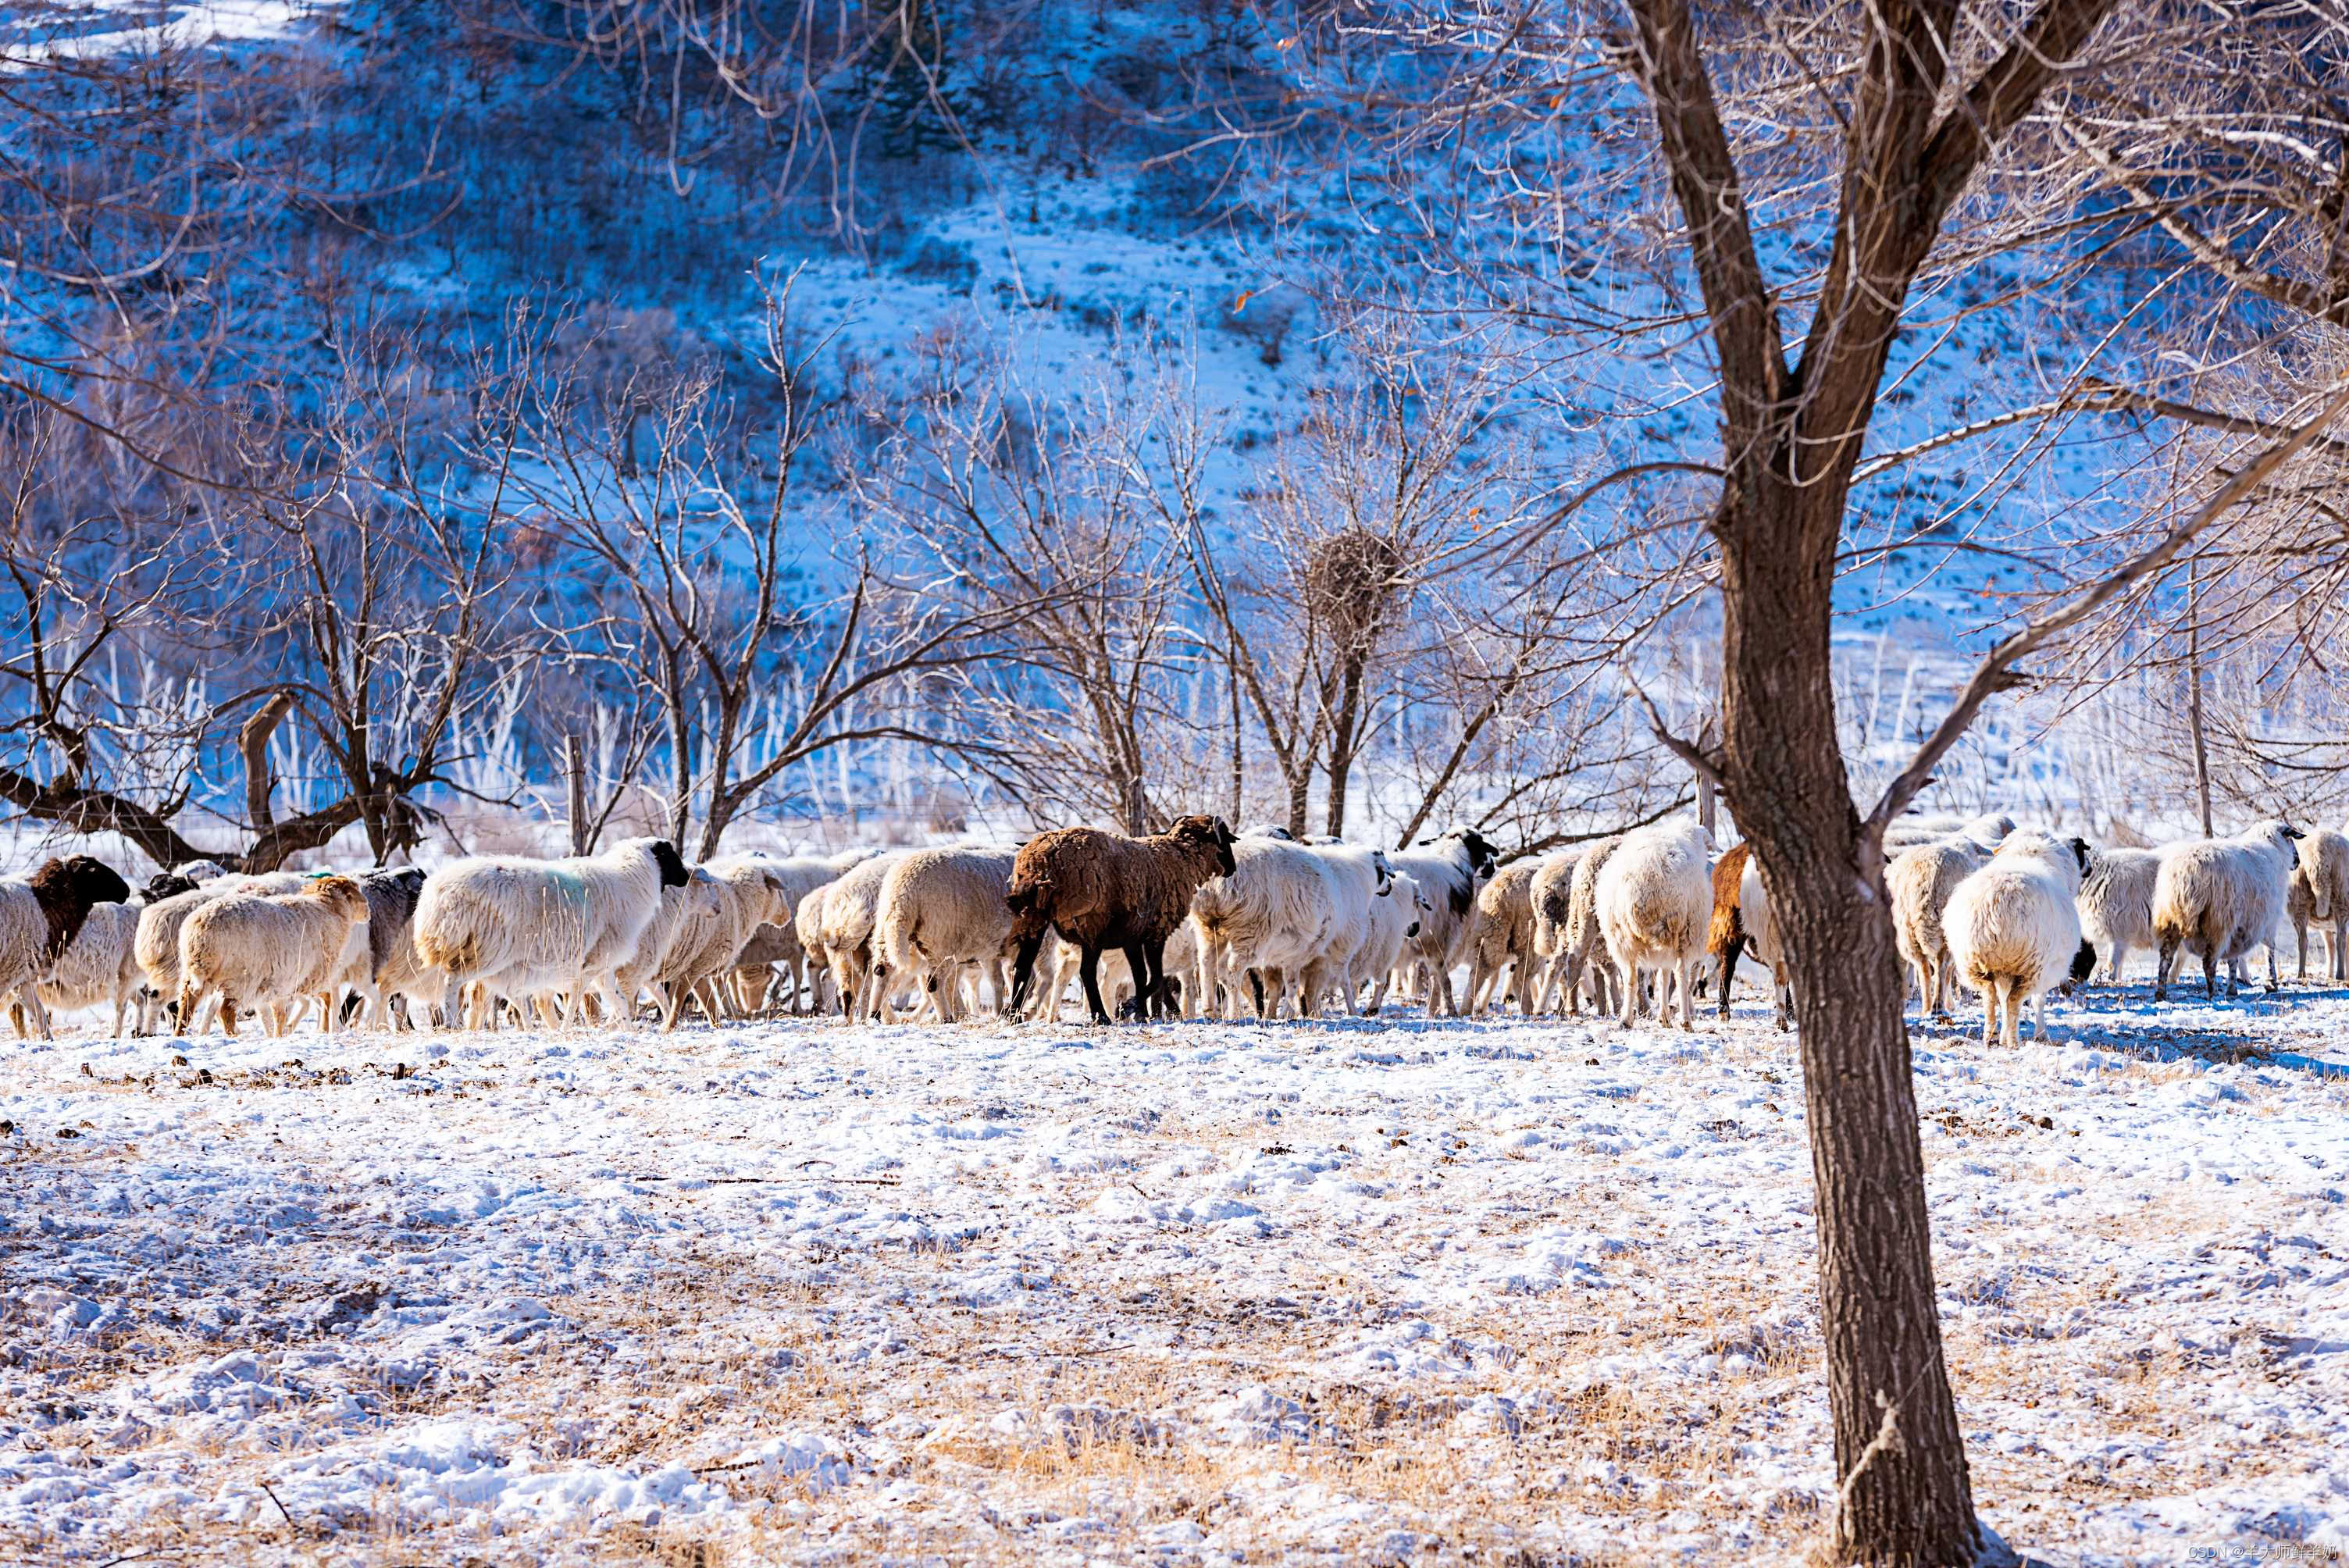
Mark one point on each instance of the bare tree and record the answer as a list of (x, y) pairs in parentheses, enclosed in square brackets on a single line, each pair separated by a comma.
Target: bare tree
[(1046, 510), (696, 542), (1831, 175)]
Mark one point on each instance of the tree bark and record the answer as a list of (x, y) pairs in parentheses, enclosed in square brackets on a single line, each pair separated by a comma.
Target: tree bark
[(1784, 771)]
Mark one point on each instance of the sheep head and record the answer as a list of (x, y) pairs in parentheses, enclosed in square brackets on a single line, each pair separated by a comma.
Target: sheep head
[(1482, 856), (167, 884), (672, 865), (66, 889), (1210, 837), (340, 893)]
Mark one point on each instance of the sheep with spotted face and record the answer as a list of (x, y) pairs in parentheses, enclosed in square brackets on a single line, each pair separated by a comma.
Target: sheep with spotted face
[(1101, 889), (1451, 870), (1394, 926), (1361, 878)]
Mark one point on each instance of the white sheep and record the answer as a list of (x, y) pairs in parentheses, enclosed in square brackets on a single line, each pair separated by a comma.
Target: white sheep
[(1655, 903), (40, 917), (807, 929), (746, 896), (2117, 906), (692, 903), (2219, 898), (852, 908), (1583, 949), (941, 910), (1762, 944), (1451, 870), (2013, 927), (1552, 896), (99, 967), (1394, 926), (533, 927), (157, 948), (778, 942), (1919, 882), (1501, 940), (269, 952), (2318, 895), (1267, 919), (1360, 878)]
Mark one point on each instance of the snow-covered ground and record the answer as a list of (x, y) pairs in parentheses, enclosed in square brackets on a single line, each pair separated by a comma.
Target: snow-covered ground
[(1342, 1291)]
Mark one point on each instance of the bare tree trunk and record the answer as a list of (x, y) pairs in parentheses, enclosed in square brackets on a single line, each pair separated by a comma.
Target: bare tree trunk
[(1909, 1502), (574, 774), (1344, 742), (1708, 812), (2194, 692)]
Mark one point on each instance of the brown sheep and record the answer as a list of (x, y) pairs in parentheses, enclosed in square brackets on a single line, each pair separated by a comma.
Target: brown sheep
[(1101, 889), (1724, 939)]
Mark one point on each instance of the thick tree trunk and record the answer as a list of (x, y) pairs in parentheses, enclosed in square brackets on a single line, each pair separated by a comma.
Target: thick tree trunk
[(1908, 1501)]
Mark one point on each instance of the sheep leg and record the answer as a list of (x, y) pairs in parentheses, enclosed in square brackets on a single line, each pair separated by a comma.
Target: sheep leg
[(1088, 968), (1728, 957), (1629, 1007), (2164, 957), (2009, 998), (2340, 946), (2039, 1018), (1990, 1013), (2112, 965), (1481, 976), (1684, 978)]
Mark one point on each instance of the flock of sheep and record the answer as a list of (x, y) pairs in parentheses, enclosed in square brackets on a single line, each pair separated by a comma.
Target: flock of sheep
[(1195, 921)]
